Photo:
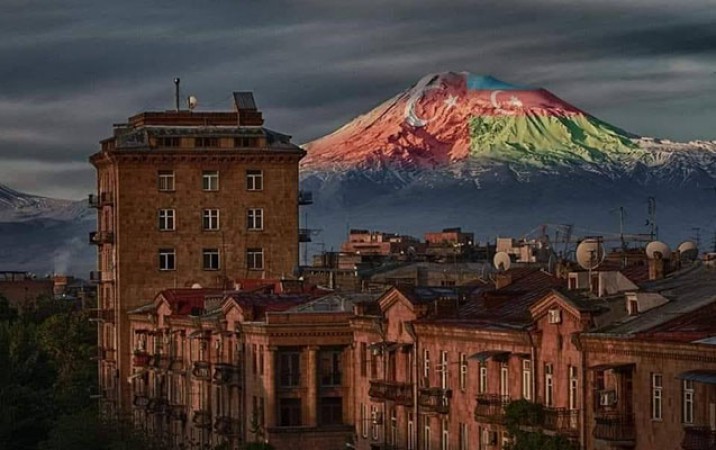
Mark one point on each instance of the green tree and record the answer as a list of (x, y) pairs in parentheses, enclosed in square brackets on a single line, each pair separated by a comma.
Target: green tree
[(524, 420)]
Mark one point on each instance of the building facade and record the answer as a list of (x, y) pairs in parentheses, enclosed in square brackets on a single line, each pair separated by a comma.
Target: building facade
[(187, 198)]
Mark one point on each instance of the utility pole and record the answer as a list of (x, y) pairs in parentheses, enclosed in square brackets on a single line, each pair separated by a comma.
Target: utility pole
[(651, 221)]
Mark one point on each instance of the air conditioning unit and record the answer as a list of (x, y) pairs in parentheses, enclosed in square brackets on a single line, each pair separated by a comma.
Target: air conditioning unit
[(607, 398), (555, 316), (489, 437), (376, 417)]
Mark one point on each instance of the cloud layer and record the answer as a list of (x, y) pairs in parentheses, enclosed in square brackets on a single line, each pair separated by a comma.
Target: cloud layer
[(71, 69)]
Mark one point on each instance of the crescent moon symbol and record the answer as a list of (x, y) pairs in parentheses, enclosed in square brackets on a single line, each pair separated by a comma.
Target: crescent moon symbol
[(410, 116), (493, 99)]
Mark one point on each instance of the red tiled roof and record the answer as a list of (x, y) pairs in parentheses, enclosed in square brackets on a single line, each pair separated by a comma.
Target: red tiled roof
[(187, 300)]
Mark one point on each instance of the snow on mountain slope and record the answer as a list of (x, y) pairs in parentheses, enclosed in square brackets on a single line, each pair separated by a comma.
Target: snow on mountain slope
[(18, 207)]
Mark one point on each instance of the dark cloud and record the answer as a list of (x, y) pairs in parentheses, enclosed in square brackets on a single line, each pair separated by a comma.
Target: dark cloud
[(71, 69)]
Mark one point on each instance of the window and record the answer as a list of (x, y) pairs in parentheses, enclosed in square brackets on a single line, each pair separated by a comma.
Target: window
[(504, 381), (363, 359), (374, 422), (167, 259), (255, 219), (330, 411), (445, 436), (548, 385), (527, 379), (166, 220), (483, 379), (165, 180), (426, 434), (205, 142), (373, 364), (255, 258), (573, 387), (261, 359), (656, 396), (363, 421), (393, 427), (688, 402), (254, 180), (289, 367), (210, 220), (464, 437), (245, 142), (463, 371), (210, 180), (254, 359), (443, 369), (411, 432), (168, 142), (211, 259), (426, 366), (289, 412), (330, 365)]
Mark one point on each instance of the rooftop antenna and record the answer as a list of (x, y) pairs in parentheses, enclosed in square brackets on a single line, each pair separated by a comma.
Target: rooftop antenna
[(651, 221), (176, 93), (697, 230)]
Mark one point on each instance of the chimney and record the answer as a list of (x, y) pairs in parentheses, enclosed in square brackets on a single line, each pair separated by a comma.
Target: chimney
[(657, 268), (502, 280)]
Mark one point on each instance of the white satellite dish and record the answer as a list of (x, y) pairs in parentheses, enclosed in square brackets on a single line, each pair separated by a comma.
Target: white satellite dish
[(590, 253), (196, 286), (658, 250), (192, 102), (688, 250), (502, 261)]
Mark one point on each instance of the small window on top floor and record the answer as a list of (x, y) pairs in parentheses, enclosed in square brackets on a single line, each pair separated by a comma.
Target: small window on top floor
[(254, 180), (168, 142), (206, 142), (245, 142)]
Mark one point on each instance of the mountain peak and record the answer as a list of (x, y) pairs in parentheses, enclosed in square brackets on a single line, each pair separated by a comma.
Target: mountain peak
[(457, 116)]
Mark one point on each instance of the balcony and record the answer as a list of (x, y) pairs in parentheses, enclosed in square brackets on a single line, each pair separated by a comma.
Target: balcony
[(227, 426), (101, 237), (107, 354), (227, 375), (201, 418), (160, 362), (201, 370), (561, 421), (393, 391), (434, 400), (615, 427), (141, 359), (177, 412), (490, 408), (698, 438), (304, 235), (98, 201), (305, 198), (159, 406)]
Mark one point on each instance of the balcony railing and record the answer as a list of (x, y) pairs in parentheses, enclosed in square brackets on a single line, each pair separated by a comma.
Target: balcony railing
[(698, 438), (101, 237), (561, 420), (614, 427), (201, 418), (304, 235), (227, 426), (490, 408), (227, 375), (201, 370), (98, 201), (400, 393), (435, 400), (305, 198)]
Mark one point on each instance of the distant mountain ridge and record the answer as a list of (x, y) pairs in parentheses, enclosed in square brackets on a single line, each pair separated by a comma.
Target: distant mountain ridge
[(45, 235), (464, 149)]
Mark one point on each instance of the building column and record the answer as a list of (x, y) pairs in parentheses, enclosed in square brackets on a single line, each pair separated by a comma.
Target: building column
[(312, 387), (270, 374)]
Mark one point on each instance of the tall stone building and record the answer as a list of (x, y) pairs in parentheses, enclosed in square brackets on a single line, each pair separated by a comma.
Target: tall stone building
[(187, 199)]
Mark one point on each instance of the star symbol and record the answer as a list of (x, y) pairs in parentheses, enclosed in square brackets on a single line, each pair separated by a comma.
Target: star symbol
[(515, 102), (451, 101)]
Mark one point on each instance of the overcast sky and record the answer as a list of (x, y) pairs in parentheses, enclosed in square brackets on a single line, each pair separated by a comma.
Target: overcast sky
[(71, 68)]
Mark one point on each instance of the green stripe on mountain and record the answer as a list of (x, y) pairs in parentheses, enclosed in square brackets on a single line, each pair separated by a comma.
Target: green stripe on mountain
[(544, 141)]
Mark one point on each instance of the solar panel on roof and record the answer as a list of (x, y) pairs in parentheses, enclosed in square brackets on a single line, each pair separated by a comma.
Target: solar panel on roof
[(244, 101)]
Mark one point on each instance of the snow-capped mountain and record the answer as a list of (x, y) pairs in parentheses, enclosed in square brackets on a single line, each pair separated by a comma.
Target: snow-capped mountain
[(45, 235), (463, 149)]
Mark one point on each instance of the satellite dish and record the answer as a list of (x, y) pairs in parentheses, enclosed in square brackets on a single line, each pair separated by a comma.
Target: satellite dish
[(590, 253), (658, 250), (196, 286), (192, 102), (688, 250), (502, 261)]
